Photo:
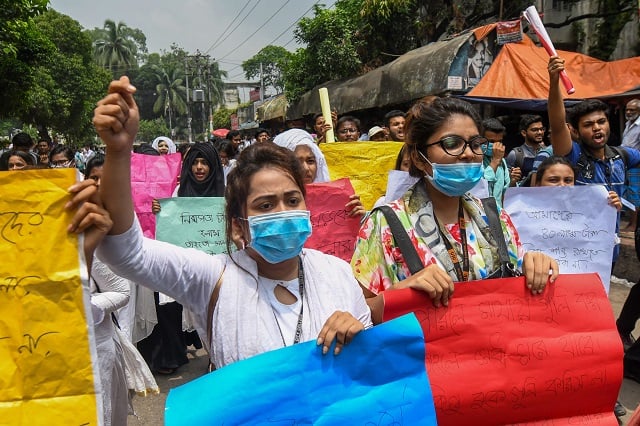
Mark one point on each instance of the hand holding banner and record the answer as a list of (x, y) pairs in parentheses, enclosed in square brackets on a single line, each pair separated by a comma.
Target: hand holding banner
[(378, 379), (531, 14)]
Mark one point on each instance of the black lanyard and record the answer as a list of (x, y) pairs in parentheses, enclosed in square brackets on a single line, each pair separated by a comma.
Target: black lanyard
[(298, 334), (461, 273)]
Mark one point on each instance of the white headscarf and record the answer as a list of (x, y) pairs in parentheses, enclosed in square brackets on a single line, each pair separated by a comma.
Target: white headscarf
[(294, 137), (172, 146)]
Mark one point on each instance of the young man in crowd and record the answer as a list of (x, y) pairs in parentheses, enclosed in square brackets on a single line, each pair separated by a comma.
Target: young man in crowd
[(394, 122)]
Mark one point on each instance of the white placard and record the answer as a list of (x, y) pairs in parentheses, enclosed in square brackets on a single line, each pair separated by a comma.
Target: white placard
[(573, 224)]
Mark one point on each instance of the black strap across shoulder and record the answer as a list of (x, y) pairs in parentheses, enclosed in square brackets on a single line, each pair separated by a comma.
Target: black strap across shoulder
[(491, 210), (402, 240)]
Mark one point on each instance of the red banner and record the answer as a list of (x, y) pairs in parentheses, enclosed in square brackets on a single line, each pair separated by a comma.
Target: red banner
[(334, 232), (500, 355), (509, 32)]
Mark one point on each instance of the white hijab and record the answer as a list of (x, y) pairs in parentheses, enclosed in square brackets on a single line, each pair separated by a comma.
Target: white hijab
[(294, 137), (172, 146)]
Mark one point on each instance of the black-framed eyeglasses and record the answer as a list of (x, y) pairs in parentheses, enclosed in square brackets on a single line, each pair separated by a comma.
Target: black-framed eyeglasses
[(455, 145)]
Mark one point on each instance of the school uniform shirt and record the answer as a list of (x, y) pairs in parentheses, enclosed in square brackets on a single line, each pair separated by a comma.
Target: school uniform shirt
[(244, 322)]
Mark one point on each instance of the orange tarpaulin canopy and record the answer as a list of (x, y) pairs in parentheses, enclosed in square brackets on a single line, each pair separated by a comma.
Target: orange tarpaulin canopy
[(519, 72)]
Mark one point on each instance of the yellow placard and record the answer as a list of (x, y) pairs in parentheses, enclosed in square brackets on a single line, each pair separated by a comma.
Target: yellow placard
[(366, 164), (46, 374)]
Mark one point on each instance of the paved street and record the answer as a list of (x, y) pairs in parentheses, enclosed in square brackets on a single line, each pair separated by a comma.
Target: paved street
[(150, 410)]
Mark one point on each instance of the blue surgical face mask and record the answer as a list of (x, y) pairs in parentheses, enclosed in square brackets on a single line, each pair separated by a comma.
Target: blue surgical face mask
[(454, 179), (279, 236), (489, 151)]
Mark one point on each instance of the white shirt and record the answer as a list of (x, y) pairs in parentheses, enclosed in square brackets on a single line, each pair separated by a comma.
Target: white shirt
[(631, 134), (243, 323)]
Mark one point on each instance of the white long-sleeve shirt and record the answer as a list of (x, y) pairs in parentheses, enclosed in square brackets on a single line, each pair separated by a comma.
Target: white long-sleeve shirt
[(243, 321)]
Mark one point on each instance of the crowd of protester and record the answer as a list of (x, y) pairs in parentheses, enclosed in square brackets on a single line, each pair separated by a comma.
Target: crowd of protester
[(262, 176)]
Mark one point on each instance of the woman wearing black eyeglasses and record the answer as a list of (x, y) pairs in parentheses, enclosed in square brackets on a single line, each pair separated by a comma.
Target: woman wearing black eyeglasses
[(445, 224)]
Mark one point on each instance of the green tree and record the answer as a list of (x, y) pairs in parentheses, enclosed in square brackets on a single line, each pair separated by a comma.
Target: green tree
[(52, 82), (332, 48), (216, 83), (151, 129), (16, 24), (67, 82), (22, 47), (170, 91), (222, 118), (273, 59), (115, 47)]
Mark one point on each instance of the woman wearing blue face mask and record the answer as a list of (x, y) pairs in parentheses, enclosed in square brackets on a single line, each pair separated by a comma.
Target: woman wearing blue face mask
[(269, 294), (446, 225)]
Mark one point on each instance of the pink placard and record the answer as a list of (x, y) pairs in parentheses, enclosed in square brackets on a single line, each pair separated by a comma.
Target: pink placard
[(152, 176), (500, 355), (334, 232)]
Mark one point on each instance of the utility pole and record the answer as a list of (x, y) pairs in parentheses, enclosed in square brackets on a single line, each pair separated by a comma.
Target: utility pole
[(195, 64), (261, 84), (210, 107), (169, 108), (186, 74), (202, 104)]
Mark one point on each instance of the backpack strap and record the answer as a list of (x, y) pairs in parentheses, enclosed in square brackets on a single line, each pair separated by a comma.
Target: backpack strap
[(212, 302), (402, 240), (585, 167), (620, 151), (519, 156), (491, 210)]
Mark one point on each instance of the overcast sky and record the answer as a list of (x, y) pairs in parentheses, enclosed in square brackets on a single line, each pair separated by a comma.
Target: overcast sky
[(200, 24)]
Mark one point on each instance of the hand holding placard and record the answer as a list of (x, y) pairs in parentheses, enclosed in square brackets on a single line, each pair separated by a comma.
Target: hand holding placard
[(531, 14)]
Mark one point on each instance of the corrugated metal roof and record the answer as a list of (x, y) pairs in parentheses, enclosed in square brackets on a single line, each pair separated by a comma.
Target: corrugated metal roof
[(273, 108), (420, 72)]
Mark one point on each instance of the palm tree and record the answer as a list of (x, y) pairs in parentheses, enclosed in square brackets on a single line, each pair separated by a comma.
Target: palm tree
[(216, 85), (115, 48), (171, 92)]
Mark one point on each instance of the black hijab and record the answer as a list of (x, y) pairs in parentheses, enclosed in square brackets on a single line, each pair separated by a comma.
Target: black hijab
[(213, 185)]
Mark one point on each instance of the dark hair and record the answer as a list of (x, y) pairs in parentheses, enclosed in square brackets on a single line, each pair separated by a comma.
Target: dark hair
[(346, 118), (183, 148), (551, 161), (395, 113), (251, 160), (96, 161), (493, 125), (316, 115), (233, 133), (586, 107), (22, 140), (261, 130), (4, 159), (426, 117), (527, 120), (400, 156), (147, 149), (225, 146), (62, 149)]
